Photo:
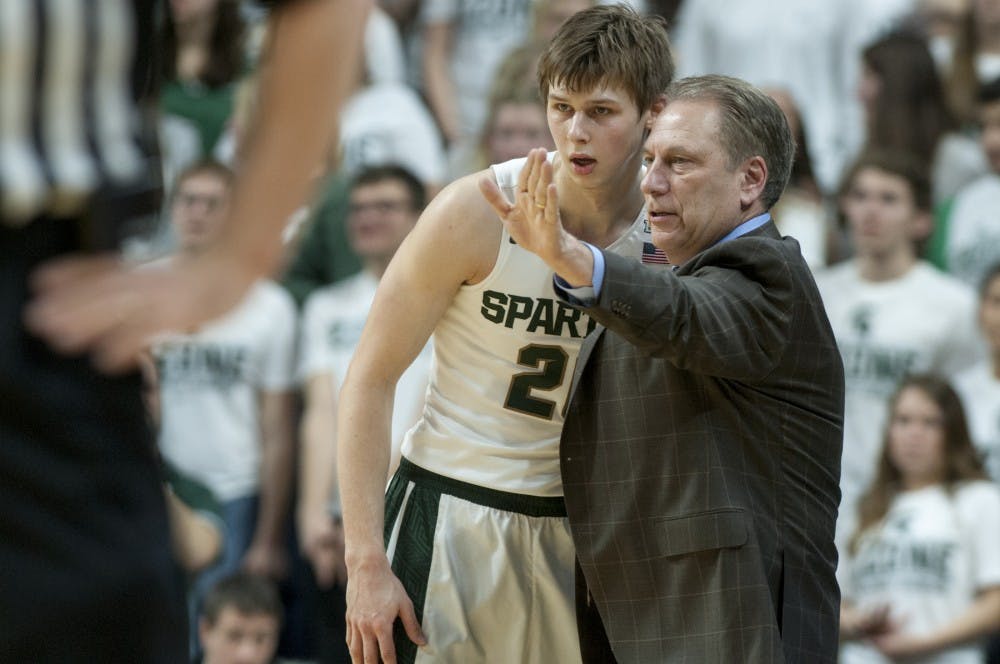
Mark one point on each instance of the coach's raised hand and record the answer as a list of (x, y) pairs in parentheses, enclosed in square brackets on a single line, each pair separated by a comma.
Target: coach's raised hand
[(533, 220)]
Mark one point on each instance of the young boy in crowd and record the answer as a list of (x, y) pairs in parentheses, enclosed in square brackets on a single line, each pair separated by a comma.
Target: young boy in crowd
[(240, 621)]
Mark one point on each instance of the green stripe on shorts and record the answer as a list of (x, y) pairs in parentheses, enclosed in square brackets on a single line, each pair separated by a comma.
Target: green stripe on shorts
[(416, 537), (414, 549)]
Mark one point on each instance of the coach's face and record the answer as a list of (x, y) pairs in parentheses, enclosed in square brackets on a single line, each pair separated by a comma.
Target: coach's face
[(694, 196)]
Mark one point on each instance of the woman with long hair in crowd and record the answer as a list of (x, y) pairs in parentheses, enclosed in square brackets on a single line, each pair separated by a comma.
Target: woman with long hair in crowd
[(922, 573), (906, 109), (204, 57)]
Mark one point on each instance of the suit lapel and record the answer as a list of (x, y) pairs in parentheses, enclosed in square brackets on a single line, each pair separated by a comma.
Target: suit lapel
[(581, 361)]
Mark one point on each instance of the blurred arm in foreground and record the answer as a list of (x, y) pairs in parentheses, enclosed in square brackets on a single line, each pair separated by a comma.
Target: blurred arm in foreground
[(101, 305)]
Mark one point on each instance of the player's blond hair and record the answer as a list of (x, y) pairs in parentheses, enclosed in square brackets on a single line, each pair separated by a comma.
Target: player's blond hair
[(609, 45)]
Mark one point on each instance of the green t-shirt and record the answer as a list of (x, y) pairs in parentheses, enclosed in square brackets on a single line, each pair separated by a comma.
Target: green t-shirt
[(207, 109), (324, 254)]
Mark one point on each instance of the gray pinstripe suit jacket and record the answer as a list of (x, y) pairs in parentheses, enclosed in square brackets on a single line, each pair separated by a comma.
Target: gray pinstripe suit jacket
[(701, 458)]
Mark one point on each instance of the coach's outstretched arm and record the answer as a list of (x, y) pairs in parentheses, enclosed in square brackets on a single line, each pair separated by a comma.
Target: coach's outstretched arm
[(532, 219)]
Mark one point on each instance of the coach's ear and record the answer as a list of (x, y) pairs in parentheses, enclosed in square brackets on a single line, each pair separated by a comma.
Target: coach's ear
[(655, 109), (753, 181)]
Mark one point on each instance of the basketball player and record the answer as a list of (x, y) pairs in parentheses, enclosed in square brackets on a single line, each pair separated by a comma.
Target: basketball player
[(470, 548)]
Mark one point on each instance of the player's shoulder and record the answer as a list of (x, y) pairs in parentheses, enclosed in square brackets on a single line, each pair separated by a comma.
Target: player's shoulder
[(461, 199), (460, 218), (455, 240)]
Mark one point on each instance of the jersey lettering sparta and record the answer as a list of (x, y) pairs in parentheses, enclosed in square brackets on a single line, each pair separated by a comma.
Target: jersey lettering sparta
[(504, 354)]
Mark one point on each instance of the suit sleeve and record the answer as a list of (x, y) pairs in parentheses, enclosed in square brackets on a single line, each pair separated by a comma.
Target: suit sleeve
[(728, 313)]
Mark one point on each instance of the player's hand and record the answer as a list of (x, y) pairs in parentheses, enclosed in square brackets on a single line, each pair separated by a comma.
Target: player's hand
[(322, 540), (112, 309), (375, 597)]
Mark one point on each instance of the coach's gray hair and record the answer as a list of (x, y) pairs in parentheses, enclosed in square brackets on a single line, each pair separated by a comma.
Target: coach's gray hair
[(751, 124)]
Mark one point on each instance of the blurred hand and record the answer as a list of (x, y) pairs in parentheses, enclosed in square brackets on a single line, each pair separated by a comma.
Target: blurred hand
[(108, 308), (874, 621), (888, 637), (322, 540), (897, 645)]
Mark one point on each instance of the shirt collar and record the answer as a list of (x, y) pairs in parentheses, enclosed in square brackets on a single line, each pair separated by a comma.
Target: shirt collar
[(747, 226)]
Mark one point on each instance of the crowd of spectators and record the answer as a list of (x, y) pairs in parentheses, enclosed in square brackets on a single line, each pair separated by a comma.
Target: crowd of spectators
[(894, 199)]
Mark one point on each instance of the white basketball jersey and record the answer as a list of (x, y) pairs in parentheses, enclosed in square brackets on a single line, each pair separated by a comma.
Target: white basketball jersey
[(504, 354)]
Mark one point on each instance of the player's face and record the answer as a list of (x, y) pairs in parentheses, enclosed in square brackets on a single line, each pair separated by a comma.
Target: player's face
[(989, 313), (198, 210), (916, 438), (517, 129), (597, 132), (881, 213), (239, 638), (692, 192), (380, 216)]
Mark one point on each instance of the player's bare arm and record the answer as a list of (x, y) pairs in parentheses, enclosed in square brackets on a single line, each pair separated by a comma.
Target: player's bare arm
[(455, 242), (101, 305)]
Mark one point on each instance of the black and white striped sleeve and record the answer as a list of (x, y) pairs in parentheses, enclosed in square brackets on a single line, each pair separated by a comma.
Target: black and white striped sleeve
[(70, 119)]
